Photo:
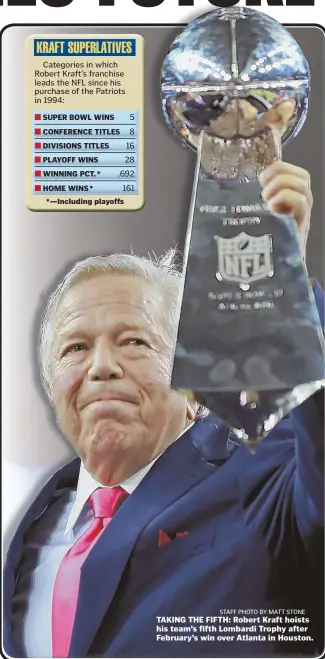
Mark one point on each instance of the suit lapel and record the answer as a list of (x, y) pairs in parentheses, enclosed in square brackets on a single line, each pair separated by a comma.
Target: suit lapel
[(179, 469), (65, 477)]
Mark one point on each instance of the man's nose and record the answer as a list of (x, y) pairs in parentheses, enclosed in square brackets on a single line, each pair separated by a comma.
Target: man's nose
[(104, 364)]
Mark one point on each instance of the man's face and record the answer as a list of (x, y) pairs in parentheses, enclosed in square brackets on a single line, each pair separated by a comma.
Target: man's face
[(111, 370)]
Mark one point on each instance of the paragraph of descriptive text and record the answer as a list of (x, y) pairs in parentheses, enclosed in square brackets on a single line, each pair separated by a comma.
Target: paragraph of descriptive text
[(232, 625)]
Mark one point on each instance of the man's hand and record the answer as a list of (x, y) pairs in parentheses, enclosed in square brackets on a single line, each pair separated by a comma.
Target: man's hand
[(286, 190)]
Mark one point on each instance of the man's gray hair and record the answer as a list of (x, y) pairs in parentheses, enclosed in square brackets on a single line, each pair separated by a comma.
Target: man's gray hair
[(164, 272)]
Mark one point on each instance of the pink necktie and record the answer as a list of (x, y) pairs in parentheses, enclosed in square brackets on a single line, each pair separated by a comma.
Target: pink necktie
[(105, 502)]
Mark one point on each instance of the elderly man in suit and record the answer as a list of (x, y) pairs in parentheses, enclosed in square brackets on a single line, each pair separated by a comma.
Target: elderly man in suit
[(162, 517)]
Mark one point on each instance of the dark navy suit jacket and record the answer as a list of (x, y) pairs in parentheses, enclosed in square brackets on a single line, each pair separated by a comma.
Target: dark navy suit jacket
[(254, 541)]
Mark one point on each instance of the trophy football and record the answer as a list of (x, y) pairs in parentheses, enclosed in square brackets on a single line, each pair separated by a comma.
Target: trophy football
[(249, 344)]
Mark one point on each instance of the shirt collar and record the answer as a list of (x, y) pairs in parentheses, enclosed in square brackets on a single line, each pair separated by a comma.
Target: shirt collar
[(87, 485)]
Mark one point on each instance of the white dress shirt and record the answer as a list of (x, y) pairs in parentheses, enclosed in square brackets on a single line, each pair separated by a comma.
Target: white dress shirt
[(87, 485)]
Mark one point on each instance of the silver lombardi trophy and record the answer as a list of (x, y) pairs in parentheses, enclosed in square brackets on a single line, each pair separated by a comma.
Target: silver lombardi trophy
[(249, 341)]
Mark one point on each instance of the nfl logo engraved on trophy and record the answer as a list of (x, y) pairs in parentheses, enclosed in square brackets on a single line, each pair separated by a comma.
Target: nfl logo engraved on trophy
[(244, 258)]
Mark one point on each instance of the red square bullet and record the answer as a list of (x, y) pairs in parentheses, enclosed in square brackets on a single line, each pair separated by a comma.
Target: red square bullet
[(38, 145), (38, 188), (37, 131), (37, 159), (38, 117), (38, 172)]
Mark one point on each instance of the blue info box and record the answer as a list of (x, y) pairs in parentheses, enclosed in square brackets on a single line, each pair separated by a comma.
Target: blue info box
[(84, 146), (89, 116), (114, 131), (84, 173), (115, 159), (68, 187)]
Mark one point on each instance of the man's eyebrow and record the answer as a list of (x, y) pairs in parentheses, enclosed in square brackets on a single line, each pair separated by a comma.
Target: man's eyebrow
[(149, 330), (128, 326)]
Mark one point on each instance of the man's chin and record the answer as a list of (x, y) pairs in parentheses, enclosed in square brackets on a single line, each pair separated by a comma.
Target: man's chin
[(104, 447), (106, 434)]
